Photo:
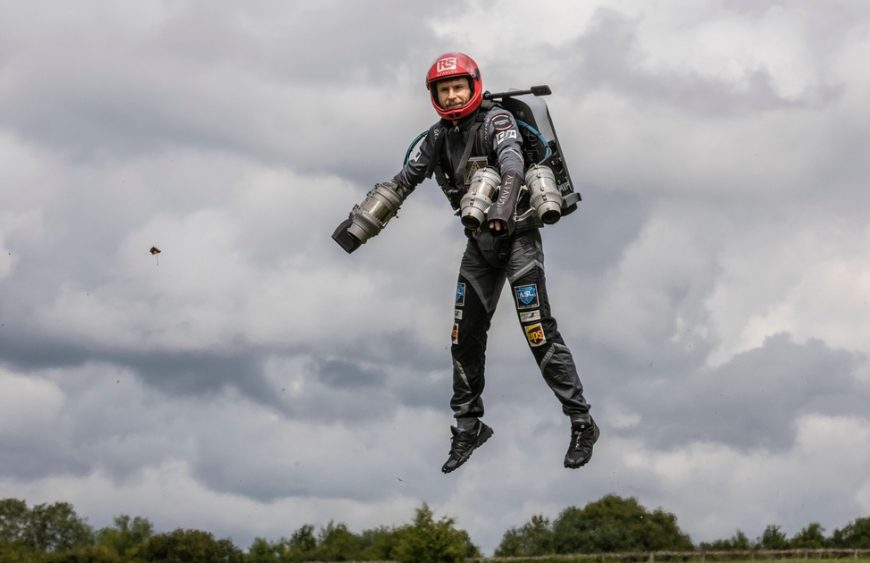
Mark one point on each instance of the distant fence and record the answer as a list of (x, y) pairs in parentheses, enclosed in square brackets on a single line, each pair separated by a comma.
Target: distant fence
[(699, 555)]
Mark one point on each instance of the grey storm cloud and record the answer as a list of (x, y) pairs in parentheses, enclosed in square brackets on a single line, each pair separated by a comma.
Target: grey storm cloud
[(180, 76), (42, 452), (610, 56), (752, 402), (410, 384), (595, 244), (341, 373)]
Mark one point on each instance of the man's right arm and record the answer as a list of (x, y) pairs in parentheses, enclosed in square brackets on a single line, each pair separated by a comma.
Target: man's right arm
[(367, 219), (416, 170)]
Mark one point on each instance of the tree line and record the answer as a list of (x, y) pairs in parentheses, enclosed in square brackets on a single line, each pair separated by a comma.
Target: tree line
[(615, 524), (54, 533)]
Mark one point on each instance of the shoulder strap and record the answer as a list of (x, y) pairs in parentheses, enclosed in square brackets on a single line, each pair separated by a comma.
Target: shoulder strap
[(435, 166), (472, 140), (482, 148), (475, 137), (438, 133)]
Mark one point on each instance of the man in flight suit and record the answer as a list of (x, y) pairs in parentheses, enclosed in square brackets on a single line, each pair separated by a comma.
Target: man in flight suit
[(475, 132)]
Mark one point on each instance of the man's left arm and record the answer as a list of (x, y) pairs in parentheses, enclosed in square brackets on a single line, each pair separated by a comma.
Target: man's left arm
[(501, 129)]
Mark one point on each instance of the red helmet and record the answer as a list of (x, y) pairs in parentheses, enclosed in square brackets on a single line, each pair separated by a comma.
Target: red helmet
[(455, 65)]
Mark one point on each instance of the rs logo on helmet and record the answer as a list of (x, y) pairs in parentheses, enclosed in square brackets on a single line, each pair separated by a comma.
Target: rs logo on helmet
[(446, 64)]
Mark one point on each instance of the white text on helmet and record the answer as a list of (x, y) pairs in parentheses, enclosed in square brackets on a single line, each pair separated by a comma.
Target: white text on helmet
[(447, 64)]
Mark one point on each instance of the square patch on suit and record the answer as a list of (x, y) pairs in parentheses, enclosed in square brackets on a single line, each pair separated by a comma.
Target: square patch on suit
[(535, 335), (460, 294), (527, 296)]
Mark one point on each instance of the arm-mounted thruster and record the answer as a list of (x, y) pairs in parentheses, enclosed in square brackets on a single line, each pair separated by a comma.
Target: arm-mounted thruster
[(368, 218)]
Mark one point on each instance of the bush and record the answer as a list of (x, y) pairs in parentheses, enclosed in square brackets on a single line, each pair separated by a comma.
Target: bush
[(182, 546)]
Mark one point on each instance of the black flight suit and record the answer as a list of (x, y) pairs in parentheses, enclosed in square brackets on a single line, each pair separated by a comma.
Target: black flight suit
[(491, 258)]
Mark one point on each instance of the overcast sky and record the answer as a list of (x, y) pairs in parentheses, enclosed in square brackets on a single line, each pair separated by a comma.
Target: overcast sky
[(714, 286)]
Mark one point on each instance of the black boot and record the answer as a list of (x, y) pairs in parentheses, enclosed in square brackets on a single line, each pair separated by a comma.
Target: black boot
[(583, 437), (465, 442)]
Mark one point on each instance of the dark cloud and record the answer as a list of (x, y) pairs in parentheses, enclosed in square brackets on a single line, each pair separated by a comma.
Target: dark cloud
[(315, 42), (174, 373), (89, 417), (750, 7), (27, 352), (40, 453), (199, 77), (344, 373), (753, 401), (593, 238), (353, 387), (389, 382), (610, 56), (200, 373)]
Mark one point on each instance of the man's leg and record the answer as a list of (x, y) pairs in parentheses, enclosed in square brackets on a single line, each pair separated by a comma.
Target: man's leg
[(528, 286), (477, 292)]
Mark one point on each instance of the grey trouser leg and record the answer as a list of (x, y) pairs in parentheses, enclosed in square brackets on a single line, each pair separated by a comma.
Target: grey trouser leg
[(486, 265)]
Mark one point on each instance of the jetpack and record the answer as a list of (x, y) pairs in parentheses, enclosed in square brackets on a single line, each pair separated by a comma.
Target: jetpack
[(541, 146), (548, 181)]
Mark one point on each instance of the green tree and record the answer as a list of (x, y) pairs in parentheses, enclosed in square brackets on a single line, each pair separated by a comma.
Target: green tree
[(127, 535), (18, 553), (428, 541), (301, 546), (88, 554), (613, 523), (773, 538), (13, 520), (534, 538), (303, 539), (186, 546), (337, 543), (855, 535), (811, 537), (737, 542), (56, 527), (261, 551), (378, 544)]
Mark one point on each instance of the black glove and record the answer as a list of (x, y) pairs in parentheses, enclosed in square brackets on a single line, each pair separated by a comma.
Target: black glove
[(504, 209), (346, 240)]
